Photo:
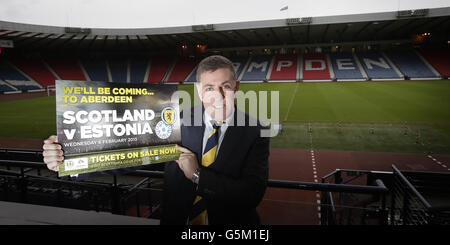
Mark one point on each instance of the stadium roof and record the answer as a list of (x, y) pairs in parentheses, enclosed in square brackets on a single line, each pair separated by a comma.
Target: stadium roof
[(398, 26)]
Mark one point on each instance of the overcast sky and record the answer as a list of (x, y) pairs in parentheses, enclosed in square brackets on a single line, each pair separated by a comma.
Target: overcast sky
[(169, 13)]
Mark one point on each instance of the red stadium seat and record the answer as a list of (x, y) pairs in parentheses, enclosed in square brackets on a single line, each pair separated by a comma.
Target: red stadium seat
[(37, 70), (439, 59), (183, 67), (67, 69), (315, 67), (158, 69), (284, 68)]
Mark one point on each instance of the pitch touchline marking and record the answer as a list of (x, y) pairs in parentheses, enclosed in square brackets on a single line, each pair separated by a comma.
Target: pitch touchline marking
[(313, 160), (290, 103), (438, 162)]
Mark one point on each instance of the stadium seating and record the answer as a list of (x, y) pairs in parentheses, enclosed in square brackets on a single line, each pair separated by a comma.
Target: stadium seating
[(8, 72), (439, 59), (315, 67), (410, 64), (119, 70), (182, 69), (27, 74), (138, 68), (25, 85), (96, 69), (257, 68), (284, 68), (67, 69), (239, 63), (345, 67), (5, 87), (158, 69), (376, 66), (192, 78), (37, 70)]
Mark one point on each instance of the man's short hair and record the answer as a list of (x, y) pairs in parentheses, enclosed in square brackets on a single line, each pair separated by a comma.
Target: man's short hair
[(214, 62)]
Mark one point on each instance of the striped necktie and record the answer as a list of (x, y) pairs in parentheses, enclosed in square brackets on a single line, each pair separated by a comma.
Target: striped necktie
[(198, 212)]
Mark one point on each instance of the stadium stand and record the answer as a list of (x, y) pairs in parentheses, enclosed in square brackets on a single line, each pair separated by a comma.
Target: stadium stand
[(182, 69), (239, 64), (96, 69), (119, 70), (192, 77), (4, 87), (8, 72), (345, 67), (25, 85), (410, 64), (37, 70), (138, 69), (158, 69), (376, 66), (439, 59), (284, 68), (315, 67), (67, 69), (257, 68)]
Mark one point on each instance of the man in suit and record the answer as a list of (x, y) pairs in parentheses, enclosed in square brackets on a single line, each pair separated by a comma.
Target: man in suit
[(221, 175)]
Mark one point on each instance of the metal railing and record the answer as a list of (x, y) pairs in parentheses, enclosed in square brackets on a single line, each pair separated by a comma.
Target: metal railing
[(347, 196), (363, 203), (414, 195), (115, 198)]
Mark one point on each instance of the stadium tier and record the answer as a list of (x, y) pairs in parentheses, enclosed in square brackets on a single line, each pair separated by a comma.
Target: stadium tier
[(439, 59), (36, 70), (25, 74), (25, 85), (257, 68), (315, 67), (345, 67), (119, 70), (284, 68), (410, 64), (158, 69), (8, 72), (138, 70), (67, 69), (182, 69), (96, 69), (377, 66), (239, 64), (4, 87)]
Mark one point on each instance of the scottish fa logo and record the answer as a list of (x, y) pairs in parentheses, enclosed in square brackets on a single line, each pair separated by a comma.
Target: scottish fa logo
[(168, 115)]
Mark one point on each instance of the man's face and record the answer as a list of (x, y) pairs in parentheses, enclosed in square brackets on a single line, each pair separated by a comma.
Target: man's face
[(216, 89)]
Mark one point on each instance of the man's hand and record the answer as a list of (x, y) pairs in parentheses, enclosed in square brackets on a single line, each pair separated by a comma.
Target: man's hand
[(187, 162), (53, 155)]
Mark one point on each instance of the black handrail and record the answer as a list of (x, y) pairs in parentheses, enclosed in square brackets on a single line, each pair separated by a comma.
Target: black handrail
[(411, 187), (23, 164), (327, 187), (302, 185)]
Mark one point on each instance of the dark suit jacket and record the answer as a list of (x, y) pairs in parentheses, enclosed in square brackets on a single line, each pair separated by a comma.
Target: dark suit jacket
[(232, 186)]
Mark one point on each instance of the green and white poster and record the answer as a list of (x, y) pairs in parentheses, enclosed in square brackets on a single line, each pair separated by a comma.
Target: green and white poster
[(103, 126)]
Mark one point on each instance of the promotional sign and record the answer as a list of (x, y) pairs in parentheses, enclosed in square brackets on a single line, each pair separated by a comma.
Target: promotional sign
[(103, 126)]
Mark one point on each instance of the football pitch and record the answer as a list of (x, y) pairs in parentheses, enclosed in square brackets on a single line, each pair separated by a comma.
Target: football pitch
[(391, 116)]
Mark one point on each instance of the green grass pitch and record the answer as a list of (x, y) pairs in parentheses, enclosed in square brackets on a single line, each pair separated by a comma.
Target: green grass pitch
[(372, 115)]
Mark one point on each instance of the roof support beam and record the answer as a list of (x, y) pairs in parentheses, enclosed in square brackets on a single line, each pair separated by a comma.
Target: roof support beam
[(361, 30)]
